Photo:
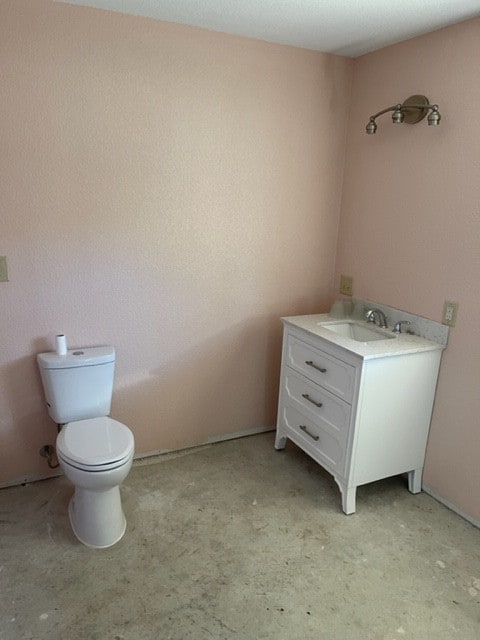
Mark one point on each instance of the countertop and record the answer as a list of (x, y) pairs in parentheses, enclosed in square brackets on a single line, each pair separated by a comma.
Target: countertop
[(401, 344)]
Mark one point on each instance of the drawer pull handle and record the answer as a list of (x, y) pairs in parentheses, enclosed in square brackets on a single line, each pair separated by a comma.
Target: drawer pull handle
[(315, 366), (304, 428), (307, 397)]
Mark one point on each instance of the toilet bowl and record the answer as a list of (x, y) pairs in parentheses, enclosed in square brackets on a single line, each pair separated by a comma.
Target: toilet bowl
[(96, 455)]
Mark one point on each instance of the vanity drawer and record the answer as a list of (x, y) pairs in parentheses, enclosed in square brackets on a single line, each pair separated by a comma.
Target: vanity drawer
[(328, 411), (332, 374), (324, 447)]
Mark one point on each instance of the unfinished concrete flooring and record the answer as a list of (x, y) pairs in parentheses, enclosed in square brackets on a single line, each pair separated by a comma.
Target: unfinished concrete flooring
[(236, 540)]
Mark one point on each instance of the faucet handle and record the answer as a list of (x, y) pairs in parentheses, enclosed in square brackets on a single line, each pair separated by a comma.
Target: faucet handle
[(398, 326)]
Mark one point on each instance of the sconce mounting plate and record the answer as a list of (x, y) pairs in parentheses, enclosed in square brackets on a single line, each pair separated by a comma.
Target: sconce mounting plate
[(414, 115)]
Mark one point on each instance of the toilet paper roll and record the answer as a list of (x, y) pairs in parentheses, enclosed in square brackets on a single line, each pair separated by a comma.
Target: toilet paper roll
[(61, 344)]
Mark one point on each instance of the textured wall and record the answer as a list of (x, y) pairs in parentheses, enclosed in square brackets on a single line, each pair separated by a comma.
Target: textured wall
[(410, 225), (170, 191)]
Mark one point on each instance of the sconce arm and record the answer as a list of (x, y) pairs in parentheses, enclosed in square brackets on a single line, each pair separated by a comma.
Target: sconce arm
[(392, 108), (405, 105)]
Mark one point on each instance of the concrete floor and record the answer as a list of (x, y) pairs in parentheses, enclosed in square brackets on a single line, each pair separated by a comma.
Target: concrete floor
[(236, 540)]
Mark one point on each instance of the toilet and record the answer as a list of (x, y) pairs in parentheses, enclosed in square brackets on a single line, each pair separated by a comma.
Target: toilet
[(94, 451)]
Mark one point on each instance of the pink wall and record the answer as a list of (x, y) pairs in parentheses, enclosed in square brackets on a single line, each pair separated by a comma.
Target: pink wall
[(167, 190), (173, 192), (410, 225)]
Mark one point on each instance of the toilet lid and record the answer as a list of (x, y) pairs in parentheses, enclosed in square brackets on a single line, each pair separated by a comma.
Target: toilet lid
[(96, 441)]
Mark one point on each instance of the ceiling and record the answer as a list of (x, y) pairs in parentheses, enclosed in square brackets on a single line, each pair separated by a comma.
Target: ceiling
[(345, 27)]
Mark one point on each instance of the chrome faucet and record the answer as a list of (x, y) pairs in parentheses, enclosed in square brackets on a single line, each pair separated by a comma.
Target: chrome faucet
[(382, 318)]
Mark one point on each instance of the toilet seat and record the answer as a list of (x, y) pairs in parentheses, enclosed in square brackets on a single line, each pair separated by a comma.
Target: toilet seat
[(95, 444), (92, 468)]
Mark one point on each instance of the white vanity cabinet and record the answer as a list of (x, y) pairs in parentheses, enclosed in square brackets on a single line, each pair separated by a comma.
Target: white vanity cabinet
[(362, 418)]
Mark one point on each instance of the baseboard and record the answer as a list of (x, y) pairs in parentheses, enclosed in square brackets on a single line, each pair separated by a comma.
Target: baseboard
[(142, 456), (450, 506), (239, 434), (209, 440), (28, 480)]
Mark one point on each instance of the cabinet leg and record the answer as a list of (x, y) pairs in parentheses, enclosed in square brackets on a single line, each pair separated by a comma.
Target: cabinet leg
[(348, 500), (348, 497), (415, 481), (280, 441)]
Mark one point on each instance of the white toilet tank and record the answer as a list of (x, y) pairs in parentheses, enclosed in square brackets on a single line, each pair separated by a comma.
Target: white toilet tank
[(78, 385)]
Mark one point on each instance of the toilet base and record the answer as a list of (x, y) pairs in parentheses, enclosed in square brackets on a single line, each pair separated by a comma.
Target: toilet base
[(97, 517)]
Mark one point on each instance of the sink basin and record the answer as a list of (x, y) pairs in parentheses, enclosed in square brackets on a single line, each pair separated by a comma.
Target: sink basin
[(357, 331)]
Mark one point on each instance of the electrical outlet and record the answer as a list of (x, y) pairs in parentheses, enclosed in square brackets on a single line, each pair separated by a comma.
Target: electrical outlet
[(346, 285), (450, 310), (3, 269)]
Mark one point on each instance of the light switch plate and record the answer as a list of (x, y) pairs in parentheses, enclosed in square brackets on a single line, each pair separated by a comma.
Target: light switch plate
[(346, 285), (3, 269)]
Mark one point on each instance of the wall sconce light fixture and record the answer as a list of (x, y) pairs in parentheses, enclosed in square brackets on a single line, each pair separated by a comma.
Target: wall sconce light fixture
[(411, 111)]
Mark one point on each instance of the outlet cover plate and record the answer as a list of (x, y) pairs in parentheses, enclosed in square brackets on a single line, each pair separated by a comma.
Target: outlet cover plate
[(450, 310)]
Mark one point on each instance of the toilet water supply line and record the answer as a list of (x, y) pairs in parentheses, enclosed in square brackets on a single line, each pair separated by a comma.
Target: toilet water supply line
[(48, 452)]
